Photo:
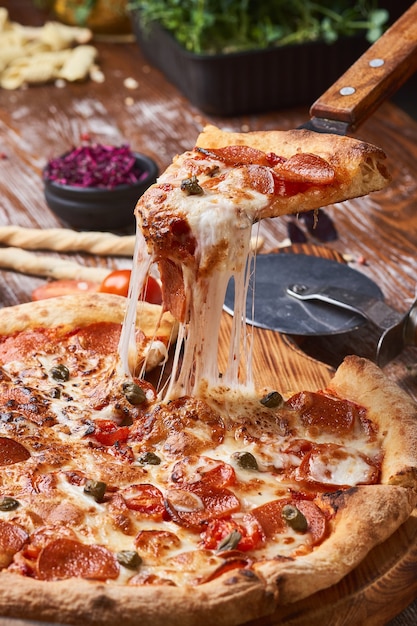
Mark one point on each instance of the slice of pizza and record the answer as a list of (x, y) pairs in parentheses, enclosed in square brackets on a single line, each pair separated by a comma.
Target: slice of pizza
[(99, 315), (196, 223)]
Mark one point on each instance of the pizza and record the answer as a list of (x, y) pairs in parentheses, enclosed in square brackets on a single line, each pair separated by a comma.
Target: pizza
[(146, 485)]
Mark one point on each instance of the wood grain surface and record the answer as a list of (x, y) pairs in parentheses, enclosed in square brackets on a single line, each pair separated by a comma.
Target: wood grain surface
[(377, 235)]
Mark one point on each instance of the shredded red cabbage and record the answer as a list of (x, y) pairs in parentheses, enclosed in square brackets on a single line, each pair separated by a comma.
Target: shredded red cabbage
[(95, 165)]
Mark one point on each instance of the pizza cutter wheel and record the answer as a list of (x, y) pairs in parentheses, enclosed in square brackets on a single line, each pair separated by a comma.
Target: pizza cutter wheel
[(307, 295)]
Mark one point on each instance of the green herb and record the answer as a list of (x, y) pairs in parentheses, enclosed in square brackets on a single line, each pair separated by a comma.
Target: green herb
[(191, 187), (246, 460), (8, 504), (129, 559), (272, 400), (215, 26), (95, 489), (229, 542), (149, 458), (60, 372), (294, 518), (133, 393)]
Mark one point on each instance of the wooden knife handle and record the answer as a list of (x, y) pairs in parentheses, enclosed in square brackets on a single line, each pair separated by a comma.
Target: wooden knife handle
[(378, 73)]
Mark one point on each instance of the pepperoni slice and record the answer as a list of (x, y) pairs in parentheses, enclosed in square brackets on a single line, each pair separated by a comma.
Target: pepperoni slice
[(260, 179), (237, 155), (108, 433), (156, 543), (270, 518), (12, 451), (99, 338), (195, 506), (326, 414), (193, 469), (145, 499), (218, 530), (12, 539), (306, 168), (67, 558)]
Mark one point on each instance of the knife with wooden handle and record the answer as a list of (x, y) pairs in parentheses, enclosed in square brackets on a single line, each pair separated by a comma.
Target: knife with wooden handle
[(376, 76)]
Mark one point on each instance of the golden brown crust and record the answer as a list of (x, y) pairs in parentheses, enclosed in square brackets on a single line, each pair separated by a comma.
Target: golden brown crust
[(391, 409), (79, 310), (364, 517), (359, 166), (232, 599)]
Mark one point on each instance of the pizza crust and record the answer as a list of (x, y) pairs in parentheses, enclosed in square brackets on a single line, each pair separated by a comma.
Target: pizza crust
[(359, 166), (391, 408), (78, 310), (365, 516), (231, 600)]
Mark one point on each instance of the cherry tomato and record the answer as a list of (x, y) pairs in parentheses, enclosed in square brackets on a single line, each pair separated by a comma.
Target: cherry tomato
[(117, 282), (63, 288)]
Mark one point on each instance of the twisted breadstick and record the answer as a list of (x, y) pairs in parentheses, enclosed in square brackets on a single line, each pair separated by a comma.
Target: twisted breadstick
[(52, 267), (67, 240)]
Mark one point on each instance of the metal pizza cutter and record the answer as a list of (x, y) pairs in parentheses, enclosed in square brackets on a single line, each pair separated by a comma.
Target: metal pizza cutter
[(305, 295)]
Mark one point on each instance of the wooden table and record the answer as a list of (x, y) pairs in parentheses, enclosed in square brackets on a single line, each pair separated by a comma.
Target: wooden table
[(379, 232)]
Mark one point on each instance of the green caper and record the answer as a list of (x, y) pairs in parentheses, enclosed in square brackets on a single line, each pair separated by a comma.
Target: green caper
[(149, 458), (246, 460), (129, 559), (229, 542), (272, 400), (133, 393), (55, 392), (294, 518), (191, 187), (96, 489), (8, 504), (60, 372)]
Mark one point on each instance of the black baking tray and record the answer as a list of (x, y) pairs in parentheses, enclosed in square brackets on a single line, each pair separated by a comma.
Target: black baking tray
[(253, 81)]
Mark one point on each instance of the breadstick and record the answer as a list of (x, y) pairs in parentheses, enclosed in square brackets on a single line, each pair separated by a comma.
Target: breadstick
[(67, 240), (51, 267)]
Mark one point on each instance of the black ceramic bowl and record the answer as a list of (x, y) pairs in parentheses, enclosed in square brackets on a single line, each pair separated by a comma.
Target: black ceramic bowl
[(96, 208)]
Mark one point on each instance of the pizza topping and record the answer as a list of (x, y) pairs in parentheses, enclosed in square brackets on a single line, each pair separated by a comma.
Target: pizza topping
[(95, 489), (149, 458), (191, 187), (306, 168), (134, 393), (246, 460), (204, 470), (129, 559), (333, 464), (145, 499), (60, 372), (12, 451), (155, 543), (294, 517), (204, 503), (65, 558), (320, 413), (229, 534), (230, 542), (8, 504), (272, 400), (12, 539)]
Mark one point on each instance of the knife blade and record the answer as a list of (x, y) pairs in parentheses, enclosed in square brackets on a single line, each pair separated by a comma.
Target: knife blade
[(373, 78), (397, 330)]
